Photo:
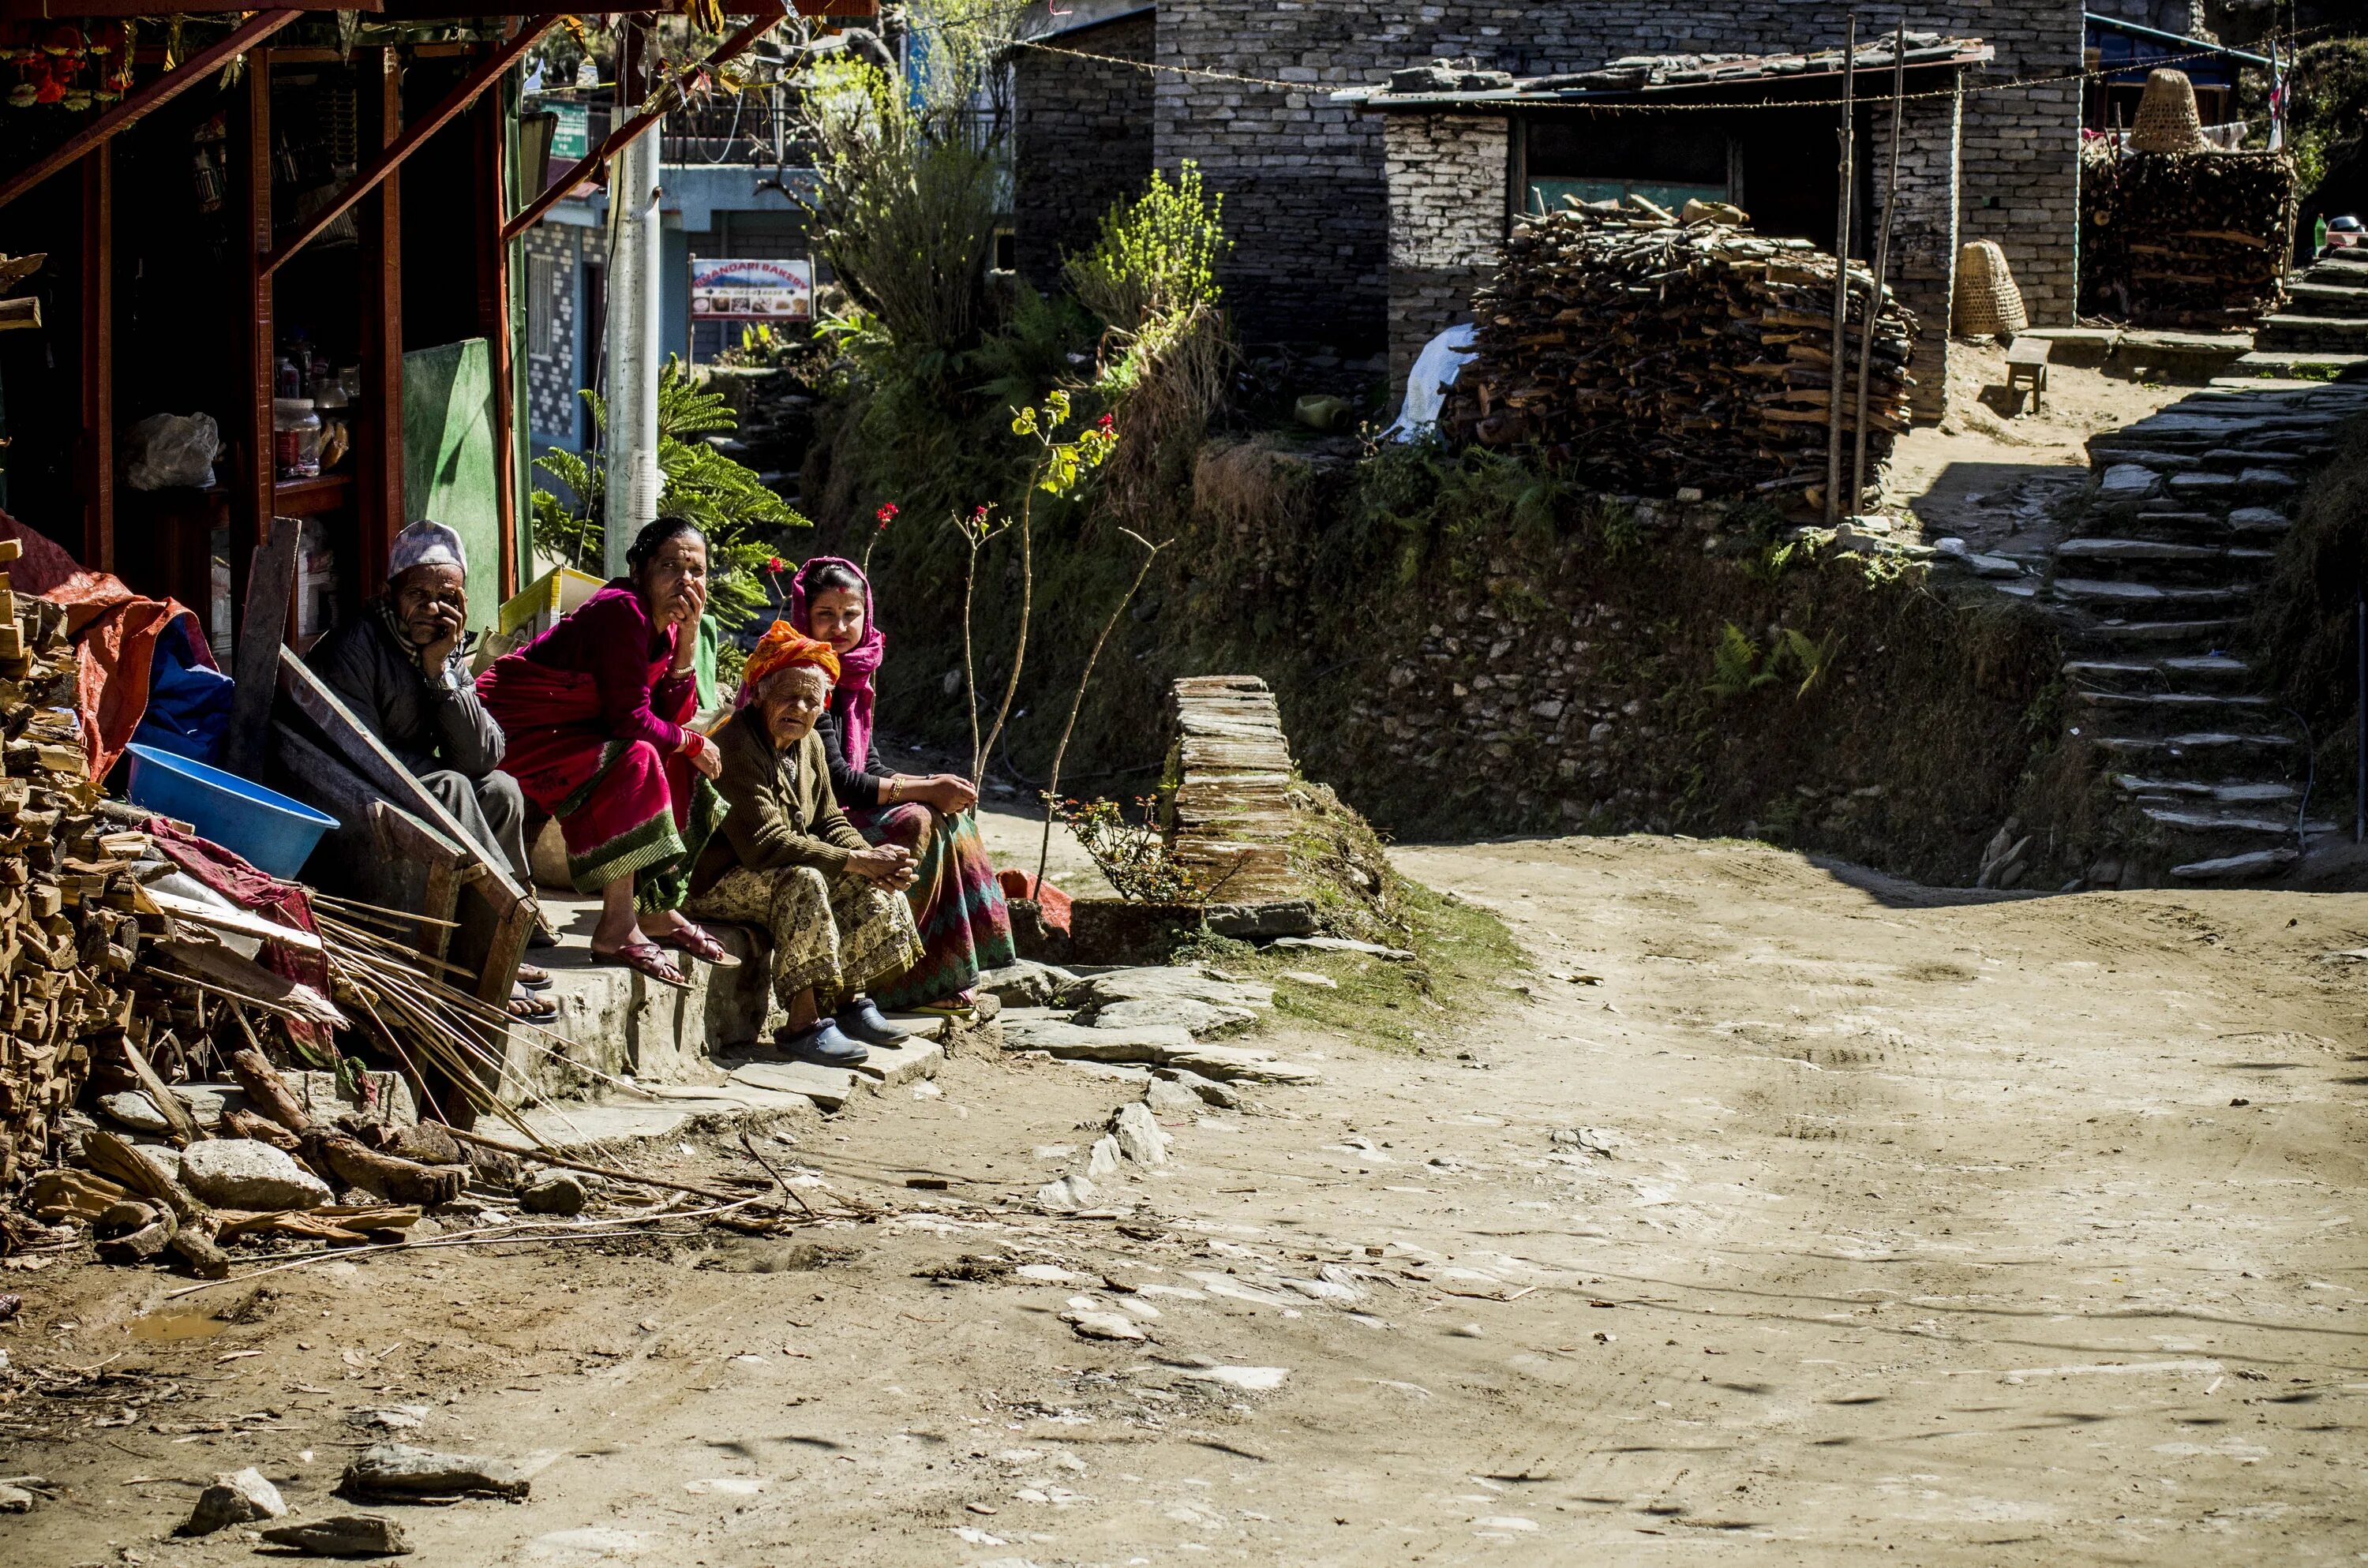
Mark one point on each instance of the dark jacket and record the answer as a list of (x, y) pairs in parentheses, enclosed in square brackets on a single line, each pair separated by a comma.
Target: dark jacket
[(781, 811), (428, 725), (856, 781)]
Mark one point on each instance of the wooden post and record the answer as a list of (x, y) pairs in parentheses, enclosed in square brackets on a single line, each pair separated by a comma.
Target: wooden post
[(1846, 178), (378, 428), (494, 322), (254, 657), (1881, 260), (251, 494), (98, 476)]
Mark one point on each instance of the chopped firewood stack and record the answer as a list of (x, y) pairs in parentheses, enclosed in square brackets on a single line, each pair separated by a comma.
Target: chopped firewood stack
[(1653, 354), (2184, 239), (69, 933)]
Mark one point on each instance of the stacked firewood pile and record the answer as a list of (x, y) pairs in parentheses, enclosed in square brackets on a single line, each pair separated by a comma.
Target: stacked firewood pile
[(1654, 355), (69, 935), (2184, 239)]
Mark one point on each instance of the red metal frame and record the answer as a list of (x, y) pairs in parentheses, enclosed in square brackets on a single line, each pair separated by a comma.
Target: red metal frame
[(414, 135), (141, 101), (559, 188), (378, 429)]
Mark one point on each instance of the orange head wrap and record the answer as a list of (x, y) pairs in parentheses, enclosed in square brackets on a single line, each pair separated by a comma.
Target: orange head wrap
[(781, 646)]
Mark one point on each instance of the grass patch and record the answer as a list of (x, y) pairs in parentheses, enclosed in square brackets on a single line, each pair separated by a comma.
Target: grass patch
[(1463, 954)]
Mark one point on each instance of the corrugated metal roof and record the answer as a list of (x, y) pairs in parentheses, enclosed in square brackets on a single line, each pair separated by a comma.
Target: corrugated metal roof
[(1642, 75)]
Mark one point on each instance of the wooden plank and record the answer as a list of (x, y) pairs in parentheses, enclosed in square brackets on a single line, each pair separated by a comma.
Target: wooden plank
[(248, 431), (143, 100), (405, 837), (98, 443), (389, 158), (353, 744), (226, 971), (261, 630), (378, 425), (238, 922)]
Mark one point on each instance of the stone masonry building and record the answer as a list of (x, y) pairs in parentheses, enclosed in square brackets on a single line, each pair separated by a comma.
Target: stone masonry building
[(1246, 89)]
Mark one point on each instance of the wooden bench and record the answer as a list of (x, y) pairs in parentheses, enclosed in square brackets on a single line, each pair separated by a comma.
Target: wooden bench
[(2026, 360)]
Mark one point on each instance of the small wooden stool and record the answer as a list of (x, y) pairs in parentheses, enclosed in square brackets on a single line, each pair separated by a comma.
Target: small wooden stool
[(2026, 360)]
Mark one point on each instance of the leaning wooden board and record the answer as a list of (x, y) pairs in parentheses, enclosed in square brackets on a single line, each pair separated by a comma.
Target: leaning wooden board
[(497, 914)]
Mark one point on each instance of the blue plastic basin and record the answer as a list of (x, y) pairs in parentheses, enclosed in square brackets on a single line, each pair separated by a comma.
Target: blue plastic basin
[(273, 831)]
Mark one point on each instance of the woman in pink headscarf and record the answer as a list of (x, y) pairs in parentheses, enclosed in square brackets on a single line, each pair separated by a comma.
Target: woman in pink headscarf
[(965, 924)]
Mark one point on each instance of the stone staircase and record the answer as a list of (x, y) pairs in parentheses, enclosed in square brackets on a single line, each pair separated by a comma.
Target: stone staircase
[(2153, 589), (2325, 324)]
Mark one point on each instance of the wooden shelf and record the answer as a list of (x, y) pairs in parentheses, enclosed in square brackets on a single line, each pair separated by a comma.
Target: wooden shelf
[(310, 497)]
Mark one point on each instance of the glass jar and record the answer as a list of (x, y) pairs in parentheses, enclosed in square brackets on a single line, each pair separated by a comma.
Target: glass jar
[(295, 439)]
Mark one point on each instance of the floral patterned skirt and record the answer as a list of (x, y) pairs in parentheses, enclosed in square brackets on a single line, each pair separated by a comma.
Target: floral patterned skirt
[(841, 938)]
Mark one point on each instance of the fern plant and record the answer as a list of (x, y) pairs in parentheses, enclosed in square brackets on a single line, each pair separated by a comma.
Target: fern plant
[(742, 520)]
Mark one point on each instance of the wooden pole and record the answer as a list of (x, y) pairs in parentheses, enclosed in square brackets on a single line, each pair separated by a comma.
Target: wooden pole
[(141, 101), (97, 477), (251, 496), (1881, 259), (1845, 177), (378, 422)]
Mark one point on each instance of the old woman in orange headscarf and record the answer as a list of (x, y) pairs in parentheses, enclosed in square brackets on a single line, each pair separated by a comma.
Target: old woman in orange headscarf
[(788, 861)]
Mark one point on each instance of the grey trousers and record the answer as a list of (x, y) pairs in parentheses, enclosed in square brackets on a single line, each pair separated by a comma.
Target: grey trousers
[(492, 810)]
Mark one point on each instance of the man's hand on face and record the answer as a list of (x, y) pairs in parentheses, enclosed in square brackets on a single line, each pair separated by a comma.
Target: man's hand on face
[(432, 602)]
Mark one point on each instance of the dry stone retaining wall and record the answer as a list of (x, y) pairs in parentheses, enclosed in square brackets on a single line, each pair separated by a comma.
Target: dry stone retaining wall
[(1083, 142)]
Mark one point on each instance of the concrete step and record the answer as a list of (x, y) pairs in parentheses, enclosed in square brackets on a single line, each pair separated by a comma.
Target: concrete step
[(2331, 298), (2289, 332), (2112, 595), (2256, 794), (2248, 866), (2317, 364), (2185, 672)]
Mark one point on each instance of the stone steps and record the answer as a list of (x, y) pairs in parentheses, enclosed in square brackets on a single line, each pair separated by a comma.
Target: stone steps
[(2258, 794), (2289, 333), (2314, 367), (2111, 594), (2221, 756), (2154, 637), (2177, 672), (2328, 299)]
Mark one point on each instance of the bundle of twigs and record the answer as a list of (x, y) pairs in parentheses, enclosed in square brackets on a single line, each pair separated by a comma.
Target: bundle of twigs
[(1655, 355)]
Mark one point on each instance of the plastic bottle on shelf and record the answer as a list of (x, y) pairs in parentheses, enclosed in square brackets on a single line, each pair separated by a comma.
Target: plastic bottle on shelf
[(296, 438)]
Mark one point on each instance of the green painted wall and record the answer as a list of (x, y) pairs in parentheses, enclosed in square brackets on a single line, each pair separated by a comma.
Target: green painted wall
[(447, 459)]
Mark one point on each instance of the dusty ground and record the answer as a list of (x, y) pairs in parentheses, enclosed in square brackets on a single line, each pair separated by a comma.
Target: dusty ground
[(1989, 472), (2008, 1231)]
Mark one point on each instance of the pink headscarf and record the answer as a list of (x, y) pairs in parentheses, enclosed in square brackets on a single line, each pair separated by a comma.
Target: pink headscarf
[(856, 665)]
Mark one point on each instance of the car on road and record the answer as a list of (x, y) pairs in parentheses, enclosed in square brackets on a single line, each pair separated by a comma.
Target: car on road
[(2345, 233)]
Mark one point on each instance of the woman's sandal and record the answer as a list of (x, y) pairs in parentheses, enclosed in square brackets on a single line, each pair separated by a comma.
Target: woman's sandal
[(643, 958), (691, 939), (530, 1006), (533, 979)]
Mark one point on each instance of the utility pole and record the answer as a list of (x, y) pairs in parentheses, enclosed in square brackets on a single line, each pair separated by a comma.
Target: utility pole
[(1881, 262), (631, 389), (1837, 376)]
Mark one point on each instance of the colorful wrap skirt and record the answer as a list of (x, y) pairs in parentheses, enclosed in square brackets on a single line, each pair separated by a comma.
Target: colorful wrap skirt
[(623, 808), (964, 922)]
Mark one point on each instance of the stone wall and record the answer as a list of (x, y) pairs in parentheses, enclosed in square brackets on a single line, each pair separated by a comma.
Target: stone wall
[(1303, 177), (1922, 265), (1084, 141), (1447, 205)]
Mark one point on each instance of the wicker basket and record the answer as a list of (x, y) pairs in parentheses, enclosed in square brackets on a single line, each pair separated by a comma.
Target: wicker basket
[(2167, 119), (1987, 300)]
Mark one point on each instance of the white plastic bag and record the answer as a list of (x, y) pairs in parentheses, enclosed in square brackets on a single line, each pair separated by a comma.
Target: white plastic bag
[(166, 450), (1434, 371)]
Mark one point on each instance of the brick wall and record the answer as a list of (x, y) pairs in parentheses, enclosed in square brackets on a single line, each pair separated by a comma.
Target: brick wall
[(1303, 177), (1083, 142), (1922, 265), (1447, 211)]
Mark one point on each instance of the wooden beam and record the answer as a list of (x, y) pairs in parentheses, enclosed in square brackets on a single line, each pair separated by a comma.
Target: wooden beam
[(252, 499), (97, 313), (558, 189), (389, 159), (494, 322), (261, 630), (378, 422), (141, 101)]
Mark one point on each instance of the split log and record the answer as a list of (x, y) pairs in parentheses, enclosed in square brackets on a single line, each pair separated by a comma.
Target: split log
[(2185, 239), (193, 1238), (338, 1157)]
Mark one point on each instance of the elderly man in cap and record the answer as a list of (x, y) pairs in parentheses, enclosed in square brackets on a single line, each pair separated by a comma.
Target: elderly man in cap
[(400, 665)]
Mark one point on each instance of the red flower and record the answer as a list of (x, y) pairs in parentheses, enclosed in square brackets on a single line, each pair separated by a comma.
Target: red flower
[(887, 514), (1108, 424), (773, 563), (979, 516)]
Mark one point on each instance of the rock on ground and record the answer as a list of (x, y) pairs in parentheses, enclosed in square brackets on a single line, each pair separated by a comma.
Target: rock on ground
[(241, 1173), (1102, 1326), (1164, 982), (402, 1471), (343, 1535), (1026, 984), (1140, 1136), (236, 1497), (1103, 1159), (1067, 1195), (1166, 1098), (1224, 1096), (1186, 1013), (553, 1192)]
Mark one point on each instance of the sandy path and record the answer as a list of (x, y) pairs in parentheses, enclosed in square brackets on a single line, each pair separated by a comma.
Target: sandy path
[(1932, 1235)]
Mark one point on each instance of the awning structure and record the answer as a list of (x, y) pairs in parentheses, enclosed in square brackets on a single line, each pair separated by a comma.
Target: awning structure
[(2129, 51)]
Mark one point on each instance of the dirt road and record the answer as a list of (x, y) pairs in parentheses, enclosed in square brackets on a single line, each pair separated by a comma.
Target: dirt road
[(2008, 1231)]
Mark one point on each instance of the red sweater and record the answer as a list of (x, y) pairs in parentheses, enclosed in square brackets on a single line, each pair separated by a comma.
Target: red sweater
[(610, 638)]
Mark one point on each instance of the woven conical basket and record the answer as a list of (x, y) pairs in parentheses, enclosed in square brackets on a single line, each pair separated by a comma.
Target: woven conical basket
[(2167, 119), (1987, 300)]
